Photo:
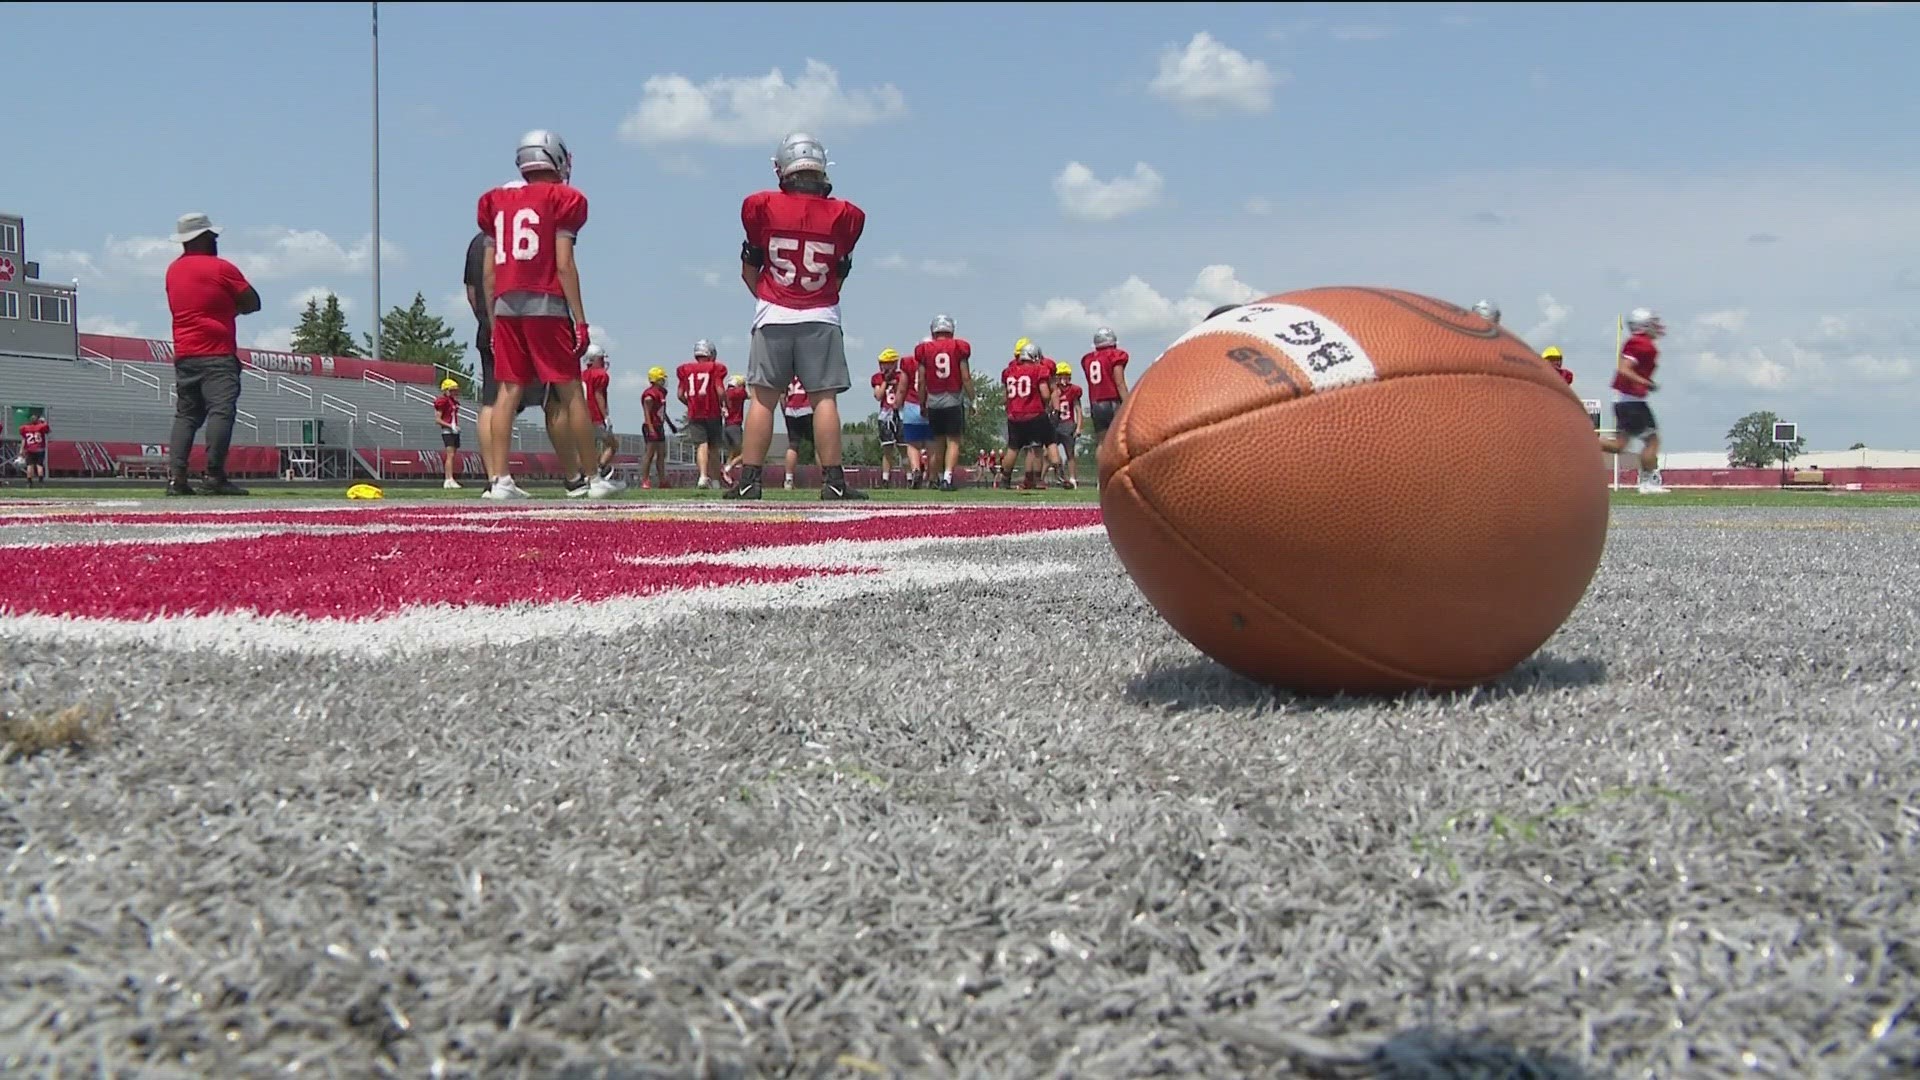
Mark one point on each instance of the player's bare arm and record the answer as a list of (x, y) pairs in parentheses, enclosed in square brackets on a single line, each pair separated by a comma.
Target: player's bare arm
[(569, 277)]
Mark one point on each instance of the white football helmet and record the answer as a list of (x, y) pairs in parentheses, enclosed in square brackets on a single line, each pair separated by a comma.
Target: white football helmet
[(543, 149), (595, 352), (942, 324), (703, 347), (1103, 337), (800, 152), (1646, 321), (1488, 310)]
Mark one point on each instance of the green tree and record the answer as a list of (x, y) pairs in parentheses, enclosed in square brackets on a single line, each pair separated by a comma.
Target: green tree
[(860, 442), (323, 330), (1750, 442), (986, 419), (413, 335), (1858, 446)]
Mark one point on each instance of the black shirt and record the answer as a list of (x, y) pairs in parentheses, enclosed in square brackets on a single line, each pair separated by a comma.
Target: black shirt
[(476, 278)]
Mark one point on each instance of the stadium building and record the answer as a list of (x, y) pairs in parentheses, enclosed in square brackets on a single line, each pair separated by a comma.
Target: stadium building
[(321, 418)]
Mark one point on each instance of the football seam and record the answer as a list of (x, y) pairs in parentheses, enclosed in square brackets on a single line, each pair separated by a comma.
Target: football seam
[(1147, 504), (1202, 425)]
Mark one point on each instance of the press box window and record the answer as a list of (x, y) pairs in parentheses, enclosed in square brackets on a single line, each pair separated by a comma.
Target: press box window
[(53, 309), (9, 238), (9, 305)]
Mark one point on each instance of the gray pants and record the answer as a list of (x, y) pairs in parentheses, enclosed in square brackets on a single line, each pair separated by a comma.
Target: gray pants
[(208, 390), (816, 352)]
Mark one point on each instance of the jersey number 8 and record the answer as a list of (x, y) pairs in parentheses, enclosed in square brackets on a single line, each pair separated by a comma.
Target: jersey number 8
[(526, 242)]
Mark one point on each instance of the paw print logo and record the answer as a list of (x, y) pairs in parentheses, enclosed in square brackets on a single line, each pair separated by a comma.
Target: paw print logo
[(6, 269)]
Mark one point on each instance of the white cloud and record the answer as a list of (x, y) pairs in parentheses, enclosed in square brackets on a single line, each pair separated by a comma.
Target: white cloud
[(1553, 316), (943, 268), (101, 324), (263, 254), (1133, 306), (1208, 75), (1751, 367), (1362, 33), (318, 294), (754, 109), (274, 339), (1259, 207), (1731, 321), (713, 279), (1088, 198)]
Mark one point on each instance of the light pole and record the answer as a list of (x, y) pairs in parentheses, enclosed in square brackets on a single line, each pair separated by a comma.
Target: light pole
[(376, 180)]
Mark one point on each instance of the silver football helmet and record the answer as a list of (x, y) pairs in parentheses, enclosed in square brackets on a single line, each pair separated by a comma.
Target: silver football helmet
[(800, 152), (1488, 310), (595, 352), (1030, 352), (1645, 321), (543, 149), (1104, 337), (703, 347), (941, 324)]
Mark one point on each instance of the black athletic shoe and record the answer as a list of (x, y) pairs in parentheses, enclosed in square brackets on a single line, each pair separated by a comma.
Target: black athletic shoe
[(744, 489), (179, 486), (946, 483), (220, 485), (840, 491)]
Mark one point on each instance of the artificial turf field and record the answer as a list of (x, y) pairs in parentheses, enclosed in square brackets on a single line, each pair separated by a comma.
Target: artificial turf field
[(652, 788)]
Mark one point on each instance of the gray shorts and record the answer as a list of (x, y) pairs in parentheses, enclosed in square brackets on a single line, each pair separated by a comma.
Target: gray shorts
[(703, 431), (816, 352), (733, 436)]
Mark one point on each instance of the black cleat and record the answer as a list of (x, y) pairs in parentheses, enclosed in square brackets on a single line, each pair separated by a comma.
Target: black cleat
[(745, 489), (220, 485), (840, 492), (179, 486), (946, 483)]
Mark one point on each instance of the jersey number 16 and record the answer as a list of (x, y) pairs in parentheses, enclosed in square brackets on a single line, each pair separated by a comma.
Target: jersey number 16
[(526, 242)]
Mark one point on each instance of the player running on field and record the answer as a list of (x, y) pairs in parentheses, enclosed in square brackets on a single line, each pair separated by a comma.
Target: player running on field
[(539, 320), (596, 382), (1556, 361), (1632, 382), (798, 412), (654, 425), (1066, 411), (446, 412), (942, 368), (796, 256), (703, 381), (1029, 385), (888, 428), (1106, 371), (733, 411)]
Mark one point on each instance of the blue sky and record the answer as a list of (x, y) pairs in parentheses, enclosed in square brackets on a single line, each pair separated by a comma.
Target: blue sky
[(1747, 170)]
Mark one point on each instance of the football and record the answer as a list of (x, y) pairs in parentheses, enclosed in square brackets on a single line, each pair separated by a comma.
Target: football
[(1271, 486)]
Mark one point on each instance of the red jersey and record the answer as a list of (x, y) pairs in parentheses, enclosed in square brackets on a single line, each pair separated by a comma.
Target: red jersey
[(653, 408), (1100, 366), (702, 381), (446, 409), (596, 381), (909, 380), (1066, 403), (203, 292), (1642, 355), (804, 238), (1023, 382), (1567, 375), (525, 220), (941, 359), (797, 401), (736, 406), (892, 379), (33, 436)]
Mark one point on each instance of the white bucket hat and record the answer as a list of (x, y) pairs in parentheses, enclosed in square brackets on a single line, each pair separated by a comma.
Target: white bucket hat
[(192, 225)]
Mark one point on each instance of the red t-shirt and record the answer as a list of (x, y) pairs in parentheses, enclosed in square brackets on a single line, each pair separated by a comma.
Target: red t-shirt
[(941, 359), (446, 409), (736, 404), (204, 293), (596, 380), (1066, 399), (797, 396), (805, 237), (33, 436), (1100, 366), (892, 380), (653, 402), (702, 381), (524, 221), (1642, 354), (1023, 382)]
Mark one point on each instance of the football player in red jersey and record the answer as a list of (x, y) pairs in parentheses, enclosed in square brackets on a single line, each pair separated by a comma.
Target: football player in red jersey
[(1029, 385), (596, 381), (887, 425), (914, 432), (733, 411), (942, 366), (796, 256), (703, 382), (1552, 356), (1066, 411), (539, 321), (654, 425), (1106, 371), (34, 435), (446, 411), (799, 418), (1632, 382)]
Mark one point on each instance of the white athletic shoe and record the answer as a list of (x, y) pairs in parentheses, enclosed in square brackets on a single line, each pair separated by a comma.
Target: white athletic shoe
[(602, 487), (451, 485), (504, 488), (789, 484)]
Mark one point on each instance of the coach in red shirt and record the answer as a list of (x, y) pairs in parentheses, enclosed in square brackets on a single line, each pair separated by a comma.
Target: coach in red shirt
[(206, 294)]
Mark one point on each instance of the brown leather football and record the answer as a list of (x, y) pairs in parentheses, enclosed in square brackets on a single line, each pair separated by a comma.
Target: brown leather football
[(1356, 489)]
